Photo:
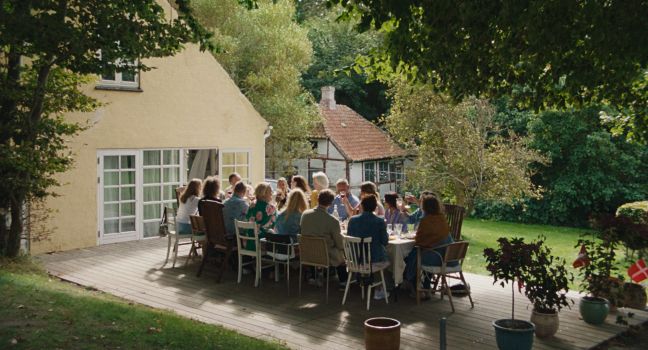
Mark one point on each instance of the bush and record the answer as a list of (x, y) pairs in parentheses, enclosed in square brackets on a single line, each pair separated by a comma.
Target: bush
[(635, 211)]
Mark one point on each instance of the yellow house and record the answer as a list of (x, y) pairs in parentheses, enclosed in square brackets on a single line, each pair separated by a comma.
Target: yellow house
[(186, 118)]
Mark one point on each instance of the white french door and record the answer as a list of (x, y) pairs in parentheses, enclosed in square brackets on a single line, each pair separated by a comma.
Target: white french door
[(117, 196)]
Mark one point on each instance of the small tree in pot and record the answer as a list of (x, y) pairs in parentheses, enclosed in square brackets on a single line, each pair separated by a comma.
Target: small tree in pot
[(596, 279), (546, 285), (507, 264)]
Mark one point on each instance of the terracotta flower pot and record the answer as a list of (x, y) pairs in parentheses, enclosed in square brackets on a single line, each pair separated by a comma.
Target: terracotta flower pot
[(634, 296), (546, 324), (382, 333)]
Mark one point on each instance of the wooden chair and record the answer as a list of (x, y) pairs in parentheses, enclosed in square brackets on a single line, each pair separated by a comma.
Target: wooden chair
[(197, 236), (242, 239), (313, 251), (357, 254), (217, 242), (175, 239), (454, 252), (455, 215)]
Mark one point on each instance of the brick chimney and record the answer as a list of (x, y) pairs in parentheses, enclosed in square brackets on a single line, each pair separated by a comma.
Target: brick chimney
[(328, 97)]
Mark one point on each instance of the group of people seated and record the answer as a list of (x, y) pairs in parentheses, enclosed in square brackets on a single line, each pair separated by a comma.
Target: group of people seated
[(296, 209)]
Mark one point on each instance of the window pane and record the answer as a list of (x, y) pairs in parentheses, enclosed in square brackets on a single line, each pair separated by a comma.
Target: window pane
[(151, 229), (169, 192), (151, 176), (128, 178), (152, 194), (171, 157), (111, 178), (170, 204), (128, 76), (127, 194), (171, 175), (241, 158), (128, 162), (111, 210), (111, 194), (383, 175), (152, 211), (128, 225), (243, 171), (228, 158), (127, 209), (111, 226), (108, 75), (111, 162), (151, 157), (227, 170)]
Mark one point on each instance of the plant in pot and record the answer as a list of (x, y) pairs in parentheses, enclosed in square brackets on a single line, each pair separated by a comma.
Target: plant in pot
[(631, 223), (507, 264), (597, 279), (546, 283)]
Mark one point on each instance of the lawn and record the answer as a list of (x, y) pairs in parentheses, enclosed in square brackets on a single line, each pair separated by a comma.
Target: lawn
[(39, 312), (483, 234)]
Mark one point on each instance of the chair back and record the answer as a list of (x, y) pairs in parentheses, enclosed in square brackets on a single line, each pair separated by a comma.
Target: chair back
[(455, 252), (169, 218), (212, 211), (313, 250), (242, 238), (455, 215), (197, 225), (357, 254), (178, 192)]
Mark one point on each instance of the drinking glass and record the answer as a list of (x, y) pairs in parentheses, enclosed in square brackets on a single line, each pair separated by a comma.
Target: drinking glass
[(398, 229), (390, 229)]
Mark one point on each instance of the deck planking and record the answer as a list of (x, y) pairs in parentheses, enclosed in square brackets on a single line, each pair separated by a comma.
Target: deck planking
[(133, 271)]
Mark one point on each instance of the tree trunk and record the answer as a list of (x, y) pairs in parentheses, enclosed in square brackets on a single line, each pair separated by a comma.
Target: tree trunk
[(4, 232), (15, 231)]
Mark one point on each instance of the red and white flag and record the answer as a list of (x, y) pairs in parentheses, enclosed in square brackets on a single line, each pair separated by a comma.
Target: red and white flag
[(581, 259), (638, 271)]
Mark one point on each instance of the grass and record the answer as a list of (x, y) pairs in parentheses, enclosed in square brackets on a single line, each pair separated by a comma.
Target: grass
[(39, 312), (484, 234)]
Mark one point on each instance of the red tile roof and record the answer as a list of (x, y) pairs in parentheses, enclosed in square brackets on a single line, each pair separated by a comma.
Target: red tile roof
[(356, 138)]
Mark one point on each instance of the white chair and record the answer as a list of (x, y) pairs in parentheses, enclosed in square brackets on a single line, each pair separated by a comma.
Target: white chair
[(357, 254), (174, 238), (454, 252), (242, 240)]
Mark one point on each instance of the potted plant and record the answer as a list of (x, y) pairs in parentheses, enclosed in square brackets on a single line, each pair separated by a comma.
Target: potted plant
[(507, 265), (546, 283), (596, 279)]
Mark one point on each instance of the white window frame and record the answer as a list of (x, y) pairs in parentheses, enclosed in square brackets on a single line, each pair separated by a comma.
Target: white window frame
[(365, 168), (118, 81), (223, 176)]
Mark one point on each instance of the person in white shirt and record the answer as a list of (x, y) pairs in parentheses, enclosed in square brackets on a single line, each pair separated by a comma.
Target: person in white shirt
[(188, 206)]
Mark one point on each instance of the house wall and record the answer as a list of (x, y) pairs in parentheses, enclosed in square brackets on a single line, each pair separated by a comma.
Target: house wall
[(188, 101)]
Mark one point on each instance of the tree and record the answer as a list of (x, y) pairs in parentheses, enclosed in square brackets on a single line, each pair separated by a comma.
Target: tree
[(265, 52), (336, 45), (459, 152), (45, 48), (544, 54)]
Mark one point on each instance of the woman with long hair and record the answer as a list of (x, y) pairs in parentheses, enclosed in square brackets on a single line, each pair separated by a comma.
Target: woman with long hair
[(281, 195), (288, 221), (263, 213), (369, 188), (210, 192), (300, 182), (393, 215), (188, 206)]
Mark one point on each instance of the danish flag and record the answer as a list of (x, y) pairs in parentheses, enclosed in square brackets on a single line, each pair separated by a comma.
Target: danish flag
[(581, 259), (638, 271)]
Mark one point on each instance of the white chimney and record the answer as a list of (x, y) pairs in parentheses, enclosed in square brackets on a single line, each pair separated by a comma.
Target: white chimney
[(328, 97)]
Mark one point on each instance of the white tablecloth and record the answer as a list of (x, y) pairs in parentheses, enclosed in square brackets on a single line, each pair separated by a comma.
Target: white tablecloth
[(398, 249)]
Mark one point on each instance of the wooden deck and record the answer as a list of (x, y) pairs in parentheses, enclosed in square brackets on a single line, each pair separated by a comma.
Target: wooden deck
[(133, 271)]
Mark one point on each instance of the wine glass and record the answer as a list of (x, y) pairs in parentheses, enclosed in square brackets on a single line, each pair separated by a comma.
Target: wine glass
[(398, 230)]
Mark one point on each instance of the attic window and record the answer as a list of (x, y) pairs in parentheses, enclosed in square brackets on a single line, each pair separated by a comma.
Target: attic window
[(343, 125), (120, 80)]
